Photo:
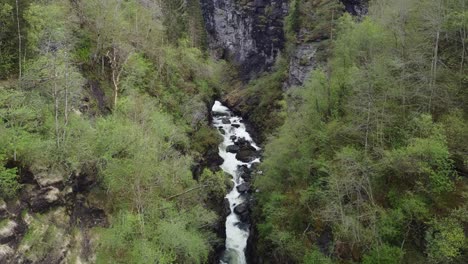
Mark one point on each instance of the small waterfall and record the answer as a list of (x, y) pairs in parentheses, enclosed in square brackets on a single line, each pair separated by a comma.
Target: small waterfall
[(239, 153)]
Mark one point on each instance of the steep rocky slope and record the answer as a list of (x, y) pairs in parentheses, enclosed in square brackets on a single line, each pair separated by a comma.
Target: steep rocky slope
[(248, 33)]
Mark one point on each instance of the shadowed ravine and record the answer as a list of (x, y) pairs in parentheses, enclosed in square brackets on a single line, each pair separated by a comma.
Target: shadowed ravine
[(239, 153)]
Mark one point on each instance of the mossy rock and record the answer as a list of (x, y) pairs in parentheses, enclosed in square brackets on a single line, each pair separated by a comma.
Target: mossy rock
[(45, 240)]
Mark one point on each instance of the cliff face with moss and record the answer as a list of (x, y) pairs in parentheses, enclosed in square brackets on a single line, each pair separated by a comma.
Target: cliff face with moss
[(247, 33)]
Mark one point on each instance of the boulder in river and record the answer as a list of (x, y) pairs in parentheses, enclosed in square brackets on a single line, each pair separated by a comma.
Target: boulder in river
[(244, 172), (244, 187), (222, 131), (241, 141), (220, 114), (227, 208), (246, 155), (233, 138), (243, 211), (235, 125), (226, 121), (232, 149)]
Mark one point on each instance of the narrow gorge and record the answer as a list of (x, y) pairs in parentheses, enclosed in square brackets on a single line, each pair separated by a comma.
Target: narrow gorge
[(233, 131), (239, 153)]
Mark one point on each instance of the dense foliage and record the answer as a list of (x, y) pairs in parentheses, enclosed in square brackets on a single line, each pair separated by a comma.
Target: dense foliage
[(371, 163), (113, 88)]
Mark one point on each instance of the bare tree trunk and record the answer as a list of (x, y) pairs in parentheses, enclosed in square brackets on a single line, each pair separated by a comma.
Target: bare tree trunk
[(19, 41), (117, 68), (184, 192), (434, 68), (463, 39), (66, 98), (435, 58), (369, 104), (56, 105)]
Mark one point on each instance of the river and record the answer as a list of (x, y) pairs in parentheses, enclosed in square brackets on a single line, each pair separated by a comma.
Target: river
[(235, 139)]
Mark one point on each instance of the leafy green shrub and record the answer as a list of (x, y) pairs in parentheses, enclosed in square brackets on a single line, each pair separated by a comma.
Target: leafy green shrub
[(384, 254), (445, 240), (9, 184)]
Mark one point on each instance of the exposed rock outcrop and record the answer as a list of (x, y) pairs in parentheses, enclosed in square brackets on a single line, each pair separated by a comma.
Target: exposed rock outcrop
[(51, 221), (243, 210), (246, 32), (356, 7), (302, 62)]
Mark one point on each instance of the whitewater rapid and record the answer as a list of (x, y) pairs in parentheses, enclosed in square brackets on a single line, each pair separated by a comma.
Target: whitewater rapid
[(237, 232)]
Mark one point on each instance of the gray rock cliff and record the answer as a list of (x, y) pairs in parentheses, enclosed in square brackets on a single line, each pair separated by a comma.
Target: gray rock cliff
[(248, 33)]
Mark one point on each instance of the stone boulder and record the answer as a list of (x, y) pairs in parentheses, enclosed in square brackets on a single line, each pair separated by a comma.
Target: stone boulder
[(232, 149), (3, 210), (226, 121), (227, 208), (241, 142), (243, 211), (85, 178), (220, 114), (47, 177), (243, 188), (45, 198), (8, 230), (5, 253), (244, 172), (246, 155)]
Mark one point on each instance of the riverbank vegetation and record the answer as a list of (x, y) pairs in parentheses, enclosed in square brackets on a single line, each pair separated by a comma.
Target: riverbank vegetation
[(371, 163)]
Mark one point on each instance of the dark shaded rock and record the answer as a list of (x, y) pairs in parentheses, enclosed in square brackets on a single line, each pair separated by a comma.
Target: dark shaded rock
[(213, 159), (235, 125), (247, 147), (45, 176), (243, 211), (99, 97), (84, 215), (325, 240), (301, 64), (45, 198), (244, 187), (85, 178), (232, 149), (196, 170), (244, 172), (3, 210), (241, 142), (226, 121), (220, 114), (222, 131), (233, 138), (246, 155), (248, 33), (227, 208), (356, 7)]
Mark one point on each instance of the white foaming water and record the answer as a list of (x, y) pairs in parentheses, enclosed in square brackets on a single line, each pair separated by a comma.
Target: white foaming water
[(237, 232)]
